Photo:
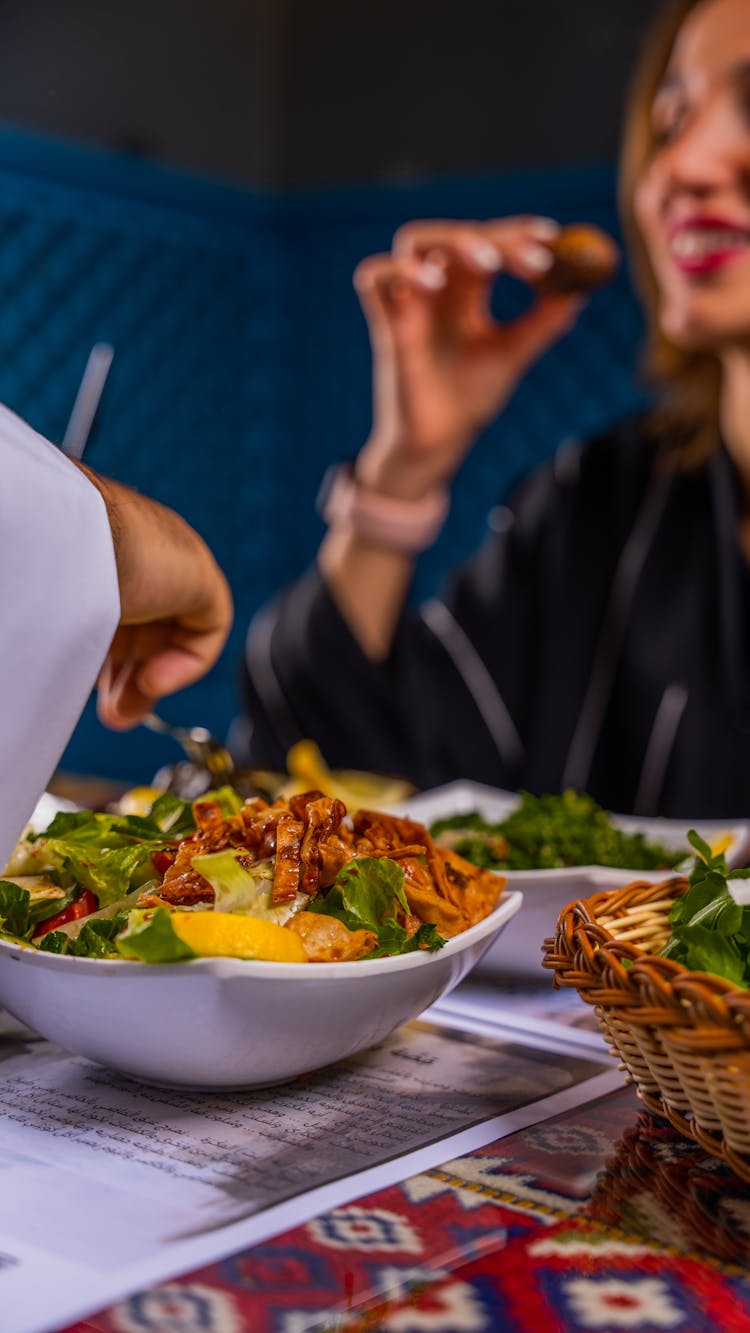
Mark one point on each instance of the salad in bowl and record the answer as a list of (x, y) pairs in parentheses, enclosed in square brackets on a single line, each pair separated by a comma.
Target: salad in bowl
[(231, 944), (294, 881)]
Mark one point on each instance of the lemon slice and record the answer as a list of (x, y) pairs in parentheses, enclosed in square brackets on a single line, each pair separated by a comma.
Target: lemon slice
[(306, 764), (372, 789), (227, 935), (308, 771), (138, 800)]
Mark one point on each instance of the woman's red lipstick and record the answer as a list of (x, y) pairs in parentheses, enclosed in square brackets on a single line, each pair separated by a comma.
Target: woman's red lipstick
[(702, 244)]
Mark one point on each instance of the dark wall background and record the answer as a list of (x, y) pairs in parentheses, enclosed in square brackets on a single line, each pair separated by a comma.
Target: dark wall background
[(303, 134), (383, 89), (295, 93)]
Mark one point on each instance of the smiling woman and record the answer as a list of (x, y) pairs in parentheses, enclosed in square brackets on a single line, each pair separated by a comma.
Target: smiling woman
[(598, 640), (687, 207)]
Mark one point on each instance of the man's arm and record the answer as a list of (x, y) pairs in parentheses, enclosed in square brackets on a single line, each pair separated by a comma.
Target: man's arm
[(175, 605), (93, 579)]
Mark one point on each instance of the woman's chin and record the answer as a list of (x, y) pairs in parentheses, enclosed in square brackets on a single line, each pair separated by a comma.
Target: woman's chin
[(694, 333)]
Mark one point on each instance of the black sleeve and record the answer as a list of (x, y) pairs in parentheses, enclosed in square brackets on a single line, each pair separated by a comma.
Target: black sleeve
[(453, 697)]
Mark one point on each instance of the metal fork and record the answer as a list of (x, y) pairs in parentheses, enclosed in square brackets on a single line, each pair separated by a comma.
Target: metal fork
[(198, 744)]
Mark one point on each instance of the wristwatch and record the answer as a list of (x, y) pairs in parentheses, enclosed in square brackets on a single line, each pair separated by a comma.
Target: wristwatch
[(397, 525)]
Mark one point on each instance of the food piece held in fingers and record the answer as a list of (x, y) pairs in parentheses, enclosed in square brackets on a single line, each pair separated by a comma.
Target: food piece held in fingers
[(585, 257)]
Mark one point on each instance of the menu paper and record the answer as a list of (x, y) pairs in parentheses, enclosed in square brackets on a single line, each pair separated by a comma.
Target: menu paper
[(109, 1186)]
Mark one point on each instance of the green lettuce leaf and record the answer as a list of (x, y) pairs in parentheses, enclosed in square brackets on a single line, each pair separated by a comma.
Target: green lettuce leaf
[(21, 912), (366, 896), (151, 937), (15, 914), (172, 815), (228, 800), (244, 889), (107, 854), (111, 854), (55, 941), (97, 939), (393, 939)]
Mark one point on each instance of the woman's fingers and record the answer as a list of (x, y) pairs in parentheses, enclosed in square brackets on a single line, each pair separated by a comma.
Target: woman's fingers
[(398, 298), (472, 254), (447, 270), (437, 282), (384, 281), (406, 298), (519, 245), (462, 244)]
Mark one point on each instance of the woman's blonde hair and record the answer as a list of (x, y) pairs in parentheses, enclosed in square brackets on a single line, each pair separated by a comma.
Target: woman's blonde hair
[(687, 414)]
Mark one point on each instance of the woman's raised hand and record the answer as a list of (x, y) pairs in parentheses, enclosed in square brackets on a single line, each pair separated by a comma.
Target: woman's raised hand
[(443, 367)]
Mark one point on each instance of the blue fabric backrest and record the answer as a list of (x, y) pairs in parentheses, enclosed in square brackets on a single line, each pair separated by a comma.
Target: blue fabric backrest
[(242, 364)]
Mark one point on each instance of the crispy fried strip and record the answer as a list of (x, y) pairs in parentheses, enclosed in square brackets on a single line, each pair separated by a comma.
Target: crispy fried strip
[(475, 890), (427, 903), (396, 853), (396, 828), (289, 833), (324, 816), (298, 804), (311, 844), (333, 855), (327, 940)]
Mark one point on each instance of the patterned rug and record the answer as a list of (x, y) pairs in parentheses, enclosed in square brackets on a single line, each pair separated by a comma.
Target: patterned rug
[(527, 1235)]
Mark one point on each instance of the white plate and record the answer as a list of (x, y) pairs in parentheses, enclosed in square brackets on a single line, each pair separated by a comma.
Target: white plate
[(547, 892)]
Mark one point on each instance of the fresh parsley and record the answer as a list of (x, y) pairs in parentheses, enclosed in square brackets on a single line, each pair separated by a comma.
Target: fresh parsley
[(710, 931), (547, 832)]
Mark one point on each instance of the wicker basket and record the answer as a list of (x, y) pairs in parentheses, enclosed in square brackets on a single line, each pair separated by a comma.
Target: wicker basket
[(682, 1036)]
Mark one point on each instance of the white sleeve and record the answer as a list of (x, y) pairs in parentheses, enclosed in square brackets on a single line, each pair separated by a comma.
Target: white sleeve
[(59, 607)]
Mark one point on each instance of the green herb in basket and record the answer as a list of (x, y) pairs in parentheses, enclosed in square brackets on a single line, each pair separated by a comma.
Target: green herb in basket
[(547, 832), (710, 931)]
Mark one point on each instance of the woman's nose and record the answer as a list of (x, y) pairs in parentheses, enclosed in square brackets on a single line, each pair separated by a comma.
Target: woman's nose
[(709, 150)]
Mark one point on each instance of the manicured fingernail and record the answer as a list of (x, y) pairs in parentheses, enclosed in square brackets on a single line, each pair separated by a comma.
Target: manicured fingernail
[(537, 257), (487, 255), (432, 275), (545, 229)]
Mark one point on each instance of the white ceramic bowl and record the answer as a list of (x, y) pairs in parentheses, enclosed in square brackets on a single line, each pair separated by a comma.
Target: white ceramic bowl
[(518, 955), (225, 1022)]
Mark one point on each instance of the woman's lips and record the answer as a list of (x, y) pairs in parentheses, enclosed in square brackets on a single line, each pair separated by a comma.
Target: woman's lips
[(701, 248)]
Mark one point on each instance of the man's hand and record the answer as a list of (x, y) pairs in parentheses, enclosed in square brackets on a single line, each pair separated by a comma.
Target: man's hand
[(176, 607)]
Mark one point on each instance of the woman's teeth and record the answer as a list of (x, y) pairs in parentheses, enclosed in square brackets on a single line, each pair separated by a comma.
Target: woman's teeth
[(692, 244)]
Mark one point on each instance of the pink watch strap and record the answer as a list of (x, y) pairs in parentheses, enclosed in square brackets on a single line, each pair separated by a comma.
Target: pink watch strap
[(398, 525)]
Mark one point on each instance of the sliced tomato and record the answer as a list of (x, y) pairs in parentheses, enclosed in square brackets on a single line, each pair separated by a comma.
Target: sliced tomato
[(82, 905)]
